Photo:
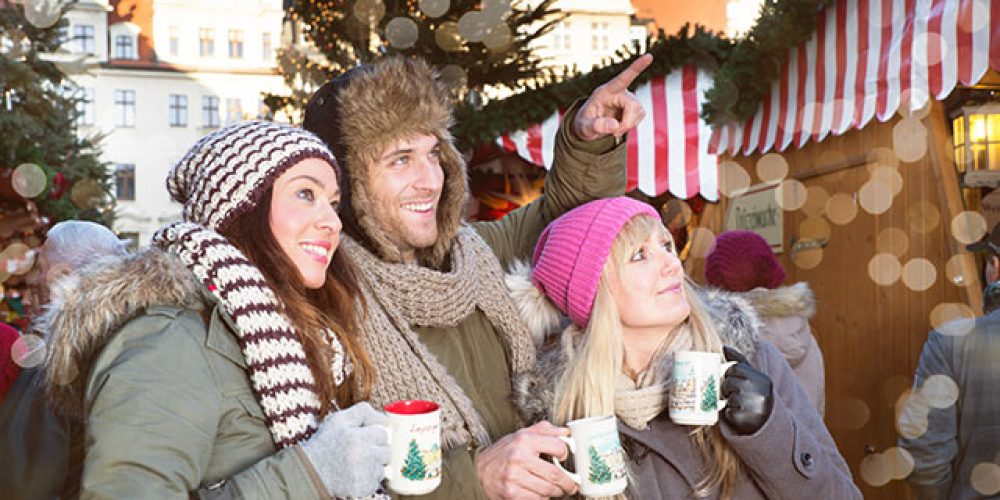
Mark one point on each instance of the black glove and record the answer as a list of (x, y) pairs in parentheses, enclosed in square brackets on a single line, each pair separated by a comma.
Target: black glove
[(748, 395)]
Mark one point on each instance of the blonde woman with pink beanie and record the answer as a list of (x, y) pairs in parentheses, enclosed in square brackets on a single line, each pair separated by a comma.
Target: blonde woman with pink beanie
[(612, 268)]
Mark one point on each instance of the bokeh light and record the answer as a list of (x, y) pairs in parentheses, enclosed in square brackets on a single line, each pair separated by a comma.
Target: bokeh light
[(882, 156), (447, 37), (954, 271), (876, 469), (911, 415), (923, 217), (848, 414), (772, 167), (940, 391), (496, 10), (68, 373), (43, 13), (968, 227), (454, 76), (676, 213), (434, 8), (701, 242), (911, 97), (402, 32), (28, 351), (909, 139), (807, 258), (875, 197), (985, 478), (369, 12), (733, 178), (473, 26), (814, 228), (953, 318), (791, 194), (816, 198), (892, 240), (900, 462), (893, 386), (889, 176), (28, 180), (884, 269), (87, 194), (919, 274), (841, 208), (498, 37)]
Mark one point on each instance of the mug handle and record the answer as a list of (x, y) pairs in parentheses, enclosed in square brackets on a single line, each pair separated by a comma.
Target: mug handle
[(723, 368), (572, 449), (387, 469)]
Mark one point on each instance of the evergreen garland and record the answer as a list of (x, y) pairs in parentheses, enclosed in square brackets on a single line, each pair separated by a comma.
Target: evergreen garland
[(746, 75), (476, 125)]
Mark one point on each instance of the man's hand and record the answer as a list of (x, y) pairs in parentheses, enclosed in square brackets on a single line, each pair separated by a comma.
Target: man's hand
[(611, 108), (513, 468)]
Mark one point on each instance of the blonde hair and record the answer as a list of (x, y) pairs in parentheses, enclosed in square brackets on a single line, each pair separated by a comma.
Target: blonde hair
[(595, 358)]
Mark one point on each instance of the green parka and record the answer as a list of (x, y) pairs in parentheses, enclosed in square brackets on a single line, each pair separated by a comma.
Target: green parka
[(164, 390)]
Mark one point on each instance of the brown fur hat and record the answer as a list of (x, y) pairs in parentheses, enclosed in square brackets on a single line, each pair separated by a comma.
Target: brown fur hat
[(367, 109)]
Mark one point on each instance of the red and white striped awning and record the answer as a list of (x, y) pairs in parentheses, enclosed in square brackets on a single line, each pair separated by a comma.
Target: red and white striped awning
[(869, 58), (667, 151)]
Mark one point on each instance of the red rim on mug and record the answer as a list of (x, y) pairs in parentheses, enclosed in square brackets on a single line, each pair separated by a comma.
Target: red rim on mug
[(411, 407)]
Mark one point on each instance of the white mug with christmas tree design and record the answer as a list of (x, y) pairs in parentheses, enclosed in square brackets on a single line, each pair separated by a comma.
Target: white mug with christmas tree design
[(597, 456), (694, 392), (415, 439)]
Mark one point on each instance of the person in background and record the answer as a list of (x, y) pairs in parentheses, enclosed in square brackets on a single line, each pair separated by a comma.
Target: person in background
[(612, 267), (9, 370), (743, 263), (37, 443), (440, 324), (223, 361), (965, 434)]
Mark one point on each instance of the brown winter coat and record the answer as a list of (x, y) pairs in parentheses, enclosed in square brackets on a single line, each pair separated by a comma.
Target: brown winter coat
[(792, 456)]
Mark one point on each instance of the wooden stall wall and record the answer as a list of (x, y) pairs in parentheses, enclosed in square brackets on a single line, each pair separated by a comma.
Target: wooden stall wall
[(871, 335)]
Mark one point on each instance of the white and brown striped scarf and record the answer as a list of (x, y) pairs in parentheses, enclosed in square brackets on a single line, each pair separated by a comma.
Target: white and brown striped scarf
[(279, 373)]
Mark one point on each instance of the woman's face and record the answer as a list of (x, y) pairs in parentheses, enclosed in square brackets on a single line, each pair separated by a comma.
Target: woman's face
[(647, 290), (304, 218)]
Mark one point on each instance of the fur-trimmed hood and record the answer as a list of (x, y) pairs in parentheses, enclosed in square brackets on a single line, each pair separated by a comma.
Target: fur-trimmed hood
[(792, 300), (737, 322), (90, 305), (367, 109)]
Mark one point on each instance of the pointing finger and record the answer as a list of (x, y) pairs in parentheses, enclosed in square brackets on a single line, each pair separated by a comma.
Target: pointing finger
[(621, 82)]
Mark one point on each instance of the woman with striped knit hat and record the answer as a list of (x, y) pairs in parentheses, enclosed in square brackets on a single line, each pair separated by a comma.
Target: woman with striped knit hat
[(224, 361)]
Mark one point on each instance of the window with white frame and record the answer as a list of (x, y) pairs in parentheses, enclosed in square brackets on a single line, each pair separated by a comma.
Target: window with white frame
[(599, 39), (125, 47), (178, 110), (124, 108), (174, 40), (561, 36), (209, 111), (85, 106), (267, 50), (83, 39), (125, 181), (234, 111), (206, 42), (236, 44)]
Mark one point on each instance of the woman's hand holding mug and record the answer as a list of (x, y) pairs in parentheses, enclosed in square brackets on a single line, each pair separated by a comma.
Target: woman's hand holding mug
[(749, 394)]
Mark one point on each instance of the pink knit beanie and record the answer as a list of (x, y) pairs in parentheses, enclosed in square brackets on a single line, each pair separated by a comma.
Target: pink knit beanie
[(742, 260), (571, 252)]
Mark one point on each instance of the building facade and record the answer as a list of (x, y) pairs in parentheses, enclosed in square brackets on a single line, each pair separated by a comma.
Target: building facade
[(159, 75), (591, 33)]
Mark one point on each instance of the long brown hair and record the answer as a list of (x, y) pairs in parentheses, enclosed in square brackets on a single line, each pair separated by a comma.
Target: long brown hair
[(311, 312)]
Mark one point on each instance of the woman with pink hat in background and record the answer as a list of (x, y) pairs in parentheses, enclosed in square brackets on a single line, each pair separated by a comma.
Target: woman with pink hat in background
[(611, 266), (742, 262)]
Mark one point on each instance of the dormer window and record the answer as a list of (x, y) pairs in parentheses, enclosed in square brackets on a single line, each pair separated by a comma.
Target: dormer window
[(124, 41)]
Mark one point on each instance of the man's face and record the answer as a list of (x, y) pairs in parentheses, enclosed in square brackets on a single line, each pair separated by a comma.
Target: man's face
[(405, 185)]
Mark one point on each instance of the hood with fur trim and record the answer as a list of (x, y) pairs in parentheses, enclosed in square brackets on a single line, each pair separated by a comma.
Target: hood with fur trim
[(89, 306), (368, 109), (738, 324), (792, 300)]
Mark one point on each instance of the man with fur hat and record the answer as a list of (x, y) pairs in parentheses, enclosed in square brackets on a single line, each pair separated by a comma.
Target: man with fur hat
[(439, 323)]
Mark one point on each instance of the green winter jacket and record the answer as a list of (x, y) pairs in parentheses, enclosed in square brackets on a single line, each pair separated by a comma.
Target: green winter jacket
[(477, 355), (169, 406)]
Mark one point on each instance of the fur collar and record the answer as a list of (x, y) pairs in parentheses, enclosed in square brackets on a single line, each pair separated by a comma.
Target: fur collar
[(380, 104), (737, 322), (793, 300), (88, 307)]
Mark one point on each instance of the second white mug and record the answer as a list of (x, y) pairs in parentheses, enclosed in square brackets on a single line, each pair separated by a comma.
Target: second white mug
[(597, 456), (695, 393)]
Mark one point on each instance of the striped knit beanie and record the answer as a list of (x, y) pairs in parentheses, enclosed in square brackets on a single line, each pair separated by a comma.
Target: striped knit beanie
[(571, 252), (226, 172)]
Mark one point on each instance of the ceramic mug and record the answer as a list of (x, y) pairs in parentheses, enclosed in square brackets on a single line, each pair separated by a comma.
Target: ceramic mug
[(695, 393), (597, 456), (415, 442)]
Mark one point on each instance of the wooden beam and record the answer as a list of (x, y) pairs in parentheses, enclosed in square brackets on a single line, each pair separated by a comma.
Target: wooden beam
[(938, 149)]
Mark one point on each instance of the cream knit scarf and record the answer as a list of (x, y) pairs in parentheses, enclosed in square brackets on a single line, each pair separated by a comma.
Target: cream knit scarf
[(399, 296), (641, 400), (279, 373)]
